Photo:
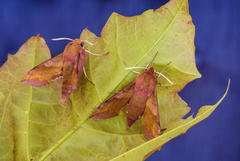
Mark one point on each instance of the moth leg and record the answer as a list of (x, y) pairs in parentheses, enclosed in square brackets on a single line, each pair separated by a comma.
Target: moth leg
[(162, 85), (86, 75)]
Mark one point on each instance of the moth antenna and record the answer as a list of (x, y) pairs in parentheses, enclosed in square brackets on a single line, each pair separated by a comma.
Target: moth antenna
[(133, 71), (62, 38), (96, 54), (163, 75), (135, 68), (87, 42), (152, 60), (131, 68), (86, 75), (163, 69)]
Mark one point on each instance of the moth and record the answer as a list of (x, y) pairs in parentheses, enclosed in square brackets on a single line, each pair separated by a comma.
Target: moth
[(140, 98), (67, 65)]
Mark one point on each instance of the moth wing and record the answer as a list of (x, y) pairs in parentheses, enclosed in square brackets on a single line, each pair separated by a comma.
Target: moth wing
[(151, 124), (73, 60), (70, 77), (81, 62), (112, 106), (45, 72)]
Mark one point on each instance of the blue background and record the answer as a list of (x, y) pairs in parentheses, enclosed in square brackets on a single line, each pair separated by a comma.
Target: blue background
[(217, 56)]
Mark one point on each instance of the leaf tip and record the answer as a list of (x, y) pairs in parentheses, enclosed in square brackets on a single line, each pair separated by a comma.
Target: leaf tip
[(38, 35)]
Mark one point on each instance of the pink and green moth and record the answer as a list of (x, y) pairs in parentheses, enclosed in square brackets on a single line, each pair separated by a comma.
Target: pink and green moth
[(140, 98)]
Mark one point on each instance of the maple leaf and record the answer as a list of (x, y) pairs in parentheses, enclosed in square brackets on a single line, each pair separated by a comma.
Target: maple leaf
[(35, 125)]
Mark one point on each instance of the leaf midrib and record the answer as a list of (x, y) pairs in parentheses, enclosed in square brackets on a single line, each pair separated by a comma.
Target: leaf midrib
[(127, 73)]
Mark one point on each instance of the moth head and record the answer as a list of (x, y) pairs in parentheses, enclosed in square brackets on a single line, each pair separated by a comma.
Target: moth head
[(79, 42), (150, 69)]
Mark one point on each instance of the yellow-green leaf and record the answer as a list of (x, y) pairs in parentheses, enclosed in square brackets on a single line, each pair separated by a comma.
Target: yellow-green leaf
[(36, 126)]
